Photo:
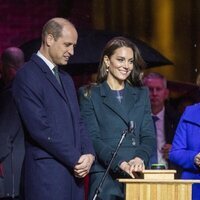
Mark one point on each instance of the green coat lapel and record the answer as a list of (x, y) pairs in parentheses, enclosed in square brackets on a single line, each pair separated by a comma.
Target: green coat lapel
[(129, 100), (127, 103)]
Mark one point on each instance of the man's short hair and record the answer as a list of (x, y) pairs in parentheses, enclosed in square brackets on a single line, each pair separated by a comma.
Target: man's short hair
[(155, 75)]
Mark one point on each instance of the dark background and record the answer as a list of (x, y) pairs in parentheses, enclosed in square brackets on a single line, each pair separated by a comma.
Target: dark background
[(170, 26)]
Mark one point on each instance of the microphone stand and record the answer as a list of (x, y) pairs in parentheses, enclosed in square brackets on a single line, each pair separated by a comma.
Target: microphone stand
[(129, 130)]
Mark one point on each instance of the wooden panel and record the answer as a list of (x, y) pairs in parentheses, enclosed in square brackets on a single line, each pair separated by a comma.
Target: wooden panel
[(159, 174), (158, 191)]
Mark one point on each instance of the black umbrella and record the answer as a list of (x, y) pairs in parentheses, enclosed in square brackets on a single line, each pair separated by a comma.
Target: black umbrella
[(181, 87), (183, 94), (89, 47)]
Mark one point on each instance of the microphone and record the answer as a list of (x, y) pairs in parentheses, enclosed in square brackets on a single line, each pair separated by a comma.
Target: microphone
[(131, 127)]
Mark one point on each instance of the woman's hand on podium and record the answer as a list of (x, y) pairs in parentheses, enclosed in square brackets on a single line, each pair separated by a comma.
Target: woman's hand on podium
[(126, 167), (137, 164)]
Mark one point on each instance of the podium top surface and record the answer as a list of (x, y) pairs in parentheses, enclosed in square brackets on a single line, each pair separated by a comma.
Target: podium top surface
[(159, 171), (180, 181)]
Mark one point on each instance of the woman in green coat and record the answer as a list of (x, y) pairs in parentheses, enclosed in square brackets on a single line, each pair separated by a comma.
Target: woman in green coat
[(107, 108)]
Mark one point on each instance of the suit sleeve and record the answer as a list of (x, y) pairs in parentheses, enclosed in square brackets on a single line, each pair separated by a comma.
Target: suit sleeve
[(31, 106), (86, 143)]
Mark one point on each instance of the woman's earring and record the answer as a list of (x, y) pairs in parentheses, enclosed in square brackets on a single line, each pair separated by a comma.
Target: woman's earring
[(107, 69)]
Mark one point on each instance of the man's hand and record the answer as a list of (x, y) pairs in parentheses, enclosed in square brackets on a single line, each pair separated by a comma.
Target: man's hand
[(83, 165), (165, 150), (197, 160)]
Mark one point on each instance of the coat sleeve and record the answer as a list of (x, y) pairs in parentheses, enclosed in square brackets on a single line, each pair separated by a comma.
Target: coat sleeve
[(37, 121), (180, 154)]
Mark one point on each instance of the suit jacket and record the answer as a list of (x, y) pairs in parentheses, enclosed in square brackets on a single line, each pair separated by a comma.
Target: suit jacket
[(171, 120), (186, 145), (11, 145), (106, 119), (55, 134)]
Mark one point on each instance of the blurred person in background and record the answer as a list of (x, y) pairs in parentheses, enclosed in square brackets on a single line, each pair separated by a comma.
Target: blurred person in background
[(166, 117), (12, 59), (11, 131)]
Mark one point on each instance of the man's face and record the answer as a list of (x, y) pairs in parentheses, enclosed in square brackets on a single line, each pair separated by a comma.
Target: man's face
[(157, 92), (61, 49)]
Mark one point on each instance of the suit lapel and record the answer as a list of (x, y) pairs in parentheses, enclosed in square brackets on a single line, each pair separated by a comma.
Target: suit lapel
[(66, 88), (49, 75), (55, 84), (129, 98)]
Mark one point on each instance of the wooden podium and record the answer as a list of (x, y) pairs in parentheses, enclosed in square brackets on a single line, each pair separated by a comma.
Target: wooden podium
[(158, 185)]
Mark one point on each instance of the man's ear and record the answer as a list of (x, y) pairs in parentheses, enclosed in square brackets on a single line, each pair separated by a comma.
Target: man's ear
[(49, 39)]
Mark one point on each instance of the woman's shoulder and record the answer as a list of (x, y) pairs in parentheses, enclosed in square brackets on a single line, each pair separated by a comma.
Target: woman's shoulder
[(195, 108), (191, 113), (139, 89), (88, 90)]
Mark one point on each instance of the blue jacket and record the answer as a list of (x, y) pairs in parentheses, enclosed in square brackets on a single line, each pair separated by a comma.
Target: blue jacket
[(55, 135), (186, 145)]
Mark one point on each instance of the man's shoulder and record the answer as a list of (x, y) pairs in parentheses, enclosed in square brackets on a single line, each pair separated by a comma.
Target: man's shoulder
[(28, 65), (171, 112)]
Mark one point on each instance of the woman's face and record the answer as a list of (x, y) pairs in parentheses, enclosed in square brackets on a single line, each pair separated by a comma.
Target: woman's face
[(120, 64)]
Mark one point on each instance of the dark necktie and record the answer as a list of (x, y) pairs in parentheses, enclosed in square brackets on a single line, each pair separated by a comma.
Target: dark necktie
[(155, 119), (154, 157), (56, 73)]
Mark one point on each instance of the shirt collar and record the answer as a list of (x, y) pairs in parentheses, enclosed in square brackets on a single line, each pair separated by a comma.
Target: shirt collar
[(49, 64)]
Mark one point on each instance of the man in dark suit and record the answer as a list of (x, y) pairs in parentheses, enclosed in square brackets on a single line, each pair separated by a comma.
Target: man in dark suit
[(166, 117), (59, 153), (11, 131)]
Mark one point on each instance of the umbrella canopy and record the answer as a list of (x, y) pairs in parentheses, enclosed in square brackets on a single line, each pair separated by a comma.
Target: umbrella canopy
[(183, 94), (89, 47), (181, 87)]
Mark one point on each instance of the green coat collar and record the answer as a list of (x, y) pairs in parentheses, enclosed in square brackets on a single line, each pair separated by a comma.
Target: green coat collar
[(127, 104)]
